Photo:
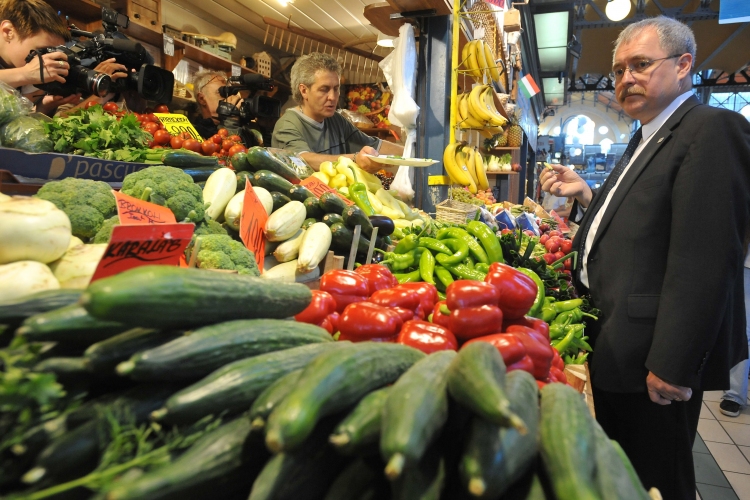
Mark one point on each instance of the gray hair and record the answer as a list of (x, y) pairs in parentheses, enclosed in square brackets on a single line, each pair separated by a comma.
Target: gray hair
[(674, 36), (202, 78), (304, 69)]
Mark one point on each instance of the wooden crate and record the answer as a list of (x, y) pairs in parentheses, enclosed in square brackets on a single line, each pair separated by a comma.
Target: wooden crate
[(579, 377)]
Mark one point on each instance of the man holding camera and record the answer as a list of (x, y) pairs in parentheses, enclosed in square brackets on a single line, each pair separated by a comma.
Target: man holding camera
[(206, 85)]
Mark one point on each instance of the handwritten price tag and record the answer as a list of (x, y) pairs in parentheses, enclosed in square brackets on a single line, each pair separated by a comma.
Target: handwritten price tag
[(318, 188), (252, 224), (175, 124), (143, 245), (133, 211)]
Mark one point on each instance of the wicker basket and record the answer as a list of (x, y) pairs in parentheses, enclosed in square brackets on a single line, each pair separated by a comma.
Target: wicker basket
[(455, 211)]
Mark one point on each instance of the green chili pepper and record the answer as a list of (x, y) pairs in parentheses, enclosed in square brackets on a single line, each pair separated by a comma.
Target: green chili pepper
[(556, 332), (434, 245), (358, 194), (399, 262), (581, 358), (427, 267), (548, 300), (407, 277), (536, 307), (462, 271), (562, 345), (566, 305), (441, 296), (474, 247), (469, 262), (482, 267), (460, 252), (488, 239), (397, 234), (443, 275), (548, 314), (407, 244), (444, 309), (575, 315)]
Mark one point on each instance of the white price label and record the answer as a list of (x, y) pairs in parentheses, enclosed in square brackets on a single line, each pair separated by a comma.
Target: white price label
[(168, 45), (479, 33), (236, 71)]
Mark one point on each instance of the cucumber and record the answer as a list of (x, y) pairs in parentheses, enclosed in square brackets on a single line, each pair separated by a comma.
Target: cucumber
[(271, 397), (105, 355), (300, 193), (384, 224), (615, 477), (260, 159), (242, 177), (313, 208), (207, 349), (331, 219), (169, 297), (495, 457), (307, 223), (331, 203), (69, 324), (184, 159), (425, 480), (270, 181), (234, 387), (63, 367), (567, 443), (200, 174), (240, 164), (332, 382), (353, 481), (415, 412), (342, 237), (36, 303), (354, 216), (361, 427), (221, 456), (279, 200), (476, 378)]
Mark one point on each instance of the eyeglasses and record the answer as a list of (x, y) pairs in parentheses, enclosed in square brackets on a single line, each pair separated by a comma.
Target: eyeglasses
[(637, 66), (209, 82)]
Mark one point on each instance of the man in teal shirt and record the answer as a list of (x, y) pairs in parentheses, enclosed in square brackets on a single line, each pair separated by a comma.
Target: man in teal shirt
[(313, 129)]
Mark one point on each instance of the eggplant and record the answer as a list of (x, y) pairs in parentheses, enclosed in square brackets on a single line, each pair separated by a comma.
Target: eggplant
[(384, 224)]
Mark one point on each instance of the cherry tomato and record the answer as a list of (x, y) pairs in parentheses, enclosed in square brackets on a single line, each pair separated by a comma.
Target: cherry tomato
[(559, 255), (161, 108), (138, 116), (186, 135), (90, 104), (110, 107), (226, 144), (162, 137), (223, 132), (234, 138), (566, 246), (208, 147), (237, 148), (192, 145), (150, 127), (176, 142), (216, 138)]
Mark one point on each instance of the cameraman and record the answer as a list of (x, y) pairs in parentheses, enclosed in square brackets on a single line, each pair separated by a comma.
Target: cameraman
[(206, 86), (26, 25)]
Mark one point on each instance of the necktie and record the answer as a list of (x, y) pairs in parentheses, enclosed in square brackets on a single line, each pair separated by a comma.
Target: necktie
[(609, 184)]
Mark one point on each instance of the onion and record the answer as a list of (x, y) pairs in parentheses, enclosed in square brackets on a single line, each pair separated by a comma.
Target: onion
[(32, 229)]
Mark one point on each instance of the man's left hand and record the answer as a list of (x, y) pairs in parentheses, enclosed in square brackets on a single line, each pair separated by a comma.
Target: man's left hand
[(663, 393), (51, 102), (364, 162)]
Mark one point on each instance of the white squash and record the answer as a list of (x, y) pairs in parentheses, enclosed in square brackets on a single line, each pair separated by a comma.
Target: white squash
[(286, 221), (32, 229), (315, 244), (289, 250), (25, 277), (4, 197), (234, 208), (77, 266), (219, 189), (287, 273)]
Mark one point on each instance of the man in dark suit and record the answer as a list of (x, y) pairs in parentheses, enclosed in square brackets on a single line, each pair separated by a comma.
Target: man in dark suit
[(661, 252)]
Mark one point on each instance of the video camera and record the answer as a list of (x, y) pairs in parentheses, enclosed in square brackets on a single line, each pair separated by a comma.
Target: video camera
[(255, 106), (151, 82)]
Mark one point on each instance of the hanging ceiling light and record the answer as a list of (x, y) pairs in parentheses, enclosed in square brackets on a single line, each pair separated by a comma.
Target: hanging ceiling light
[(617, 10), (385, 40)]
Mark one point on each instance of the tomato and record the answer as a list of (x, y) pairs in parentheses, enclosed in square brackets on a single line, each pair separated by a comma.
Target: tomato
[(235, 138), (90, 104), (216, 138), (554, 232), (151, 144), (162, 137), (566, 246), (161, 108), (209, 147), (192, 145), (223, 132), (559, 255), (150, 127), (186, 135), (226, 144), (110, 107), (549, 258), (237, 148), (543, 239), (176, 142), (138, 116)]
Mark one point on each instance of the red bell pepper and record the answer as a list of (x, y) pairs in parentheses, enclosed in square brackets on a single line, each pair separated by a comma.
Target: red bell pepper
[(427, 337), (538, 325), (346, 287), (517, 291), (401, 298), (378, 277), (537, 347), (481, 316), (428, 294), (367, 321), (439, 317), (321, 305), (557, 361), (509, 346), (470, 293), (558, 375), (540, 384), (331, 323), (526, 364)]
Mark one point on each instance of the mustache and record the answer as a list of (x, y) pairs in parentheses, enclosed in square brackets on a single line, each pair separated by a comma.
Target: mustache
[(632, 91)]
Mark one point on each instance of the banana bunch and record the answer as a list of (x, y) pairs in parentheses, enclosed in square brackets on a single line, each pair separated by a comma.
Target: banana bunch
[(479, 60), (465, 166), (468, 120)]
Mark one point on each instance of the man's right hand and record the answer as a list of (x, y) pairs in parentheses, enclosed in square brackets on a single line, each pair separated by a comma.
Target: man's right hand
[(563, 182), (364, 162), (55, 68)]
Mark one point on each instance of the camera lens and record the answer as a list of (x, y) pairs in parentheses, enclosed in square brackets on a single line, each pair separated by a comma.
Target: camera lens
[(100, 84), (89, 81), (155, 84)]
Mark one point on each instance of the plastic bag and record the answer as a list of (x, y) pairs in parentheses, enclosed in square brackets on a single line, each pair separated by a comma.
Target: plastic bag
[(12, 104), (26, 133), (488, 219), (358, 119)]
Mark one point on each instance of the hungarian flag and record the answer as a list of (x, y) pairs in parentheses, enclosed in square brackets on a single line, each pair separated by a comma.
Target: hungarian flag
[(499, 3), (528, 86)]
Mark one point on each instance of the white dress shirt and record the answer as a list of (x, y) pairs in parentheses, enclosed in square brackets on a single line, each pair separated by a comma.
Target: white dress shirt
[(648, 131)]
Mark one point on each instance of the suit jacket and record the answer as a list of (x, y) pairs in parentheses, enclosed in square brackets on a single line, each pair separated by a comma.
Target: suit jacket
[(666, 266)]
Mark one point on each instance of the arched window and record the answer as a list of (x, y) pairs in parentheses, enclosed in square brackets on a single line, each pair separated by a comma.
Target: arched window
[(580, 130), (605, 144)]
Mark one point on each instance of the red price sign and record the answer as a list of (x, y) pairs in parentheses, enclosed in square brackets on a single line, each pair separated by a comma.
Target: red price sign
[(143, 245), (133, 211), (252, 224), (318, 188)]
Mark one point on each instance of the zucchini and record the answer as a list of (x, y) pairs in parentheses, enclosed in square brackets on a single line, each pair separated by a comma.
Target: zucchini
[(69, 324), (242, 178), (63, 367), (567, 443), (384, 224), (234, 387), (332, 382), (353, 481), (361, 427), (239, 163), (270, 181), (184, 159), (285, 222), (260, 159), (300, 193), (169, 297), (206, 349), (308, 223), (342, 238), (314, 247), (331, 203), (36, 303), (476, 378), (105, 355), (425, 480), (331, 219), (279, 200), (219, 190), (615, 477), (271, 397), (354, 216), (221, 456), (414, 412), (495, 457), (313, 208)]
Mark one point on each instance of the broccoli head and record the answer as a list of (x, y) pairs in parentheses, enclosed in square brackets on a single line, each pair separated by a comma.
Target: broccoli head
[(220, 251), (87, 203), (209, 227), (105, 232), (169, 187)]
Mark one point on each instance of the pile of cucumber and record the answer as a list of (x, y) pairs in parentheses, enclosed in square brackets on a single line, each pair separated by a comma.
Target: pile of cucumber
[(302, 416)]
